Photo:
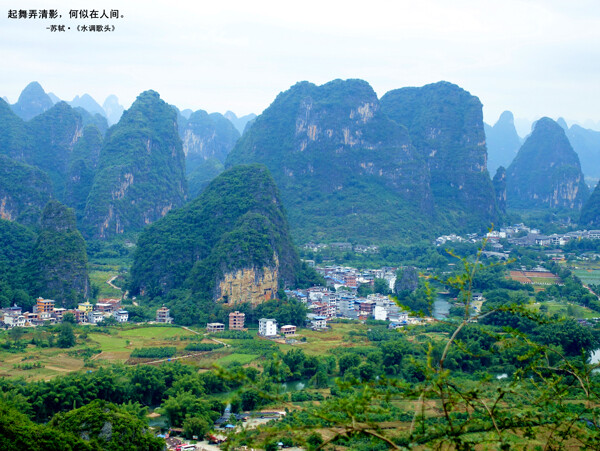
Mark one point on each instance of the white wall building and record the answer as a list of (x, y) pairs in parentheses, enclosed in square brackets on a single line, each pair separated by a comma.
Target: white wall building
[(121, 316), (267, 327), (380, 313)]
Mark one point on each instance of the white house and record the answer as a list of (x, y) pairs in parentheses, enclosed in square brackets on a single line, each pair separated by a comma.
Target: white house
[(95, 317), (380, 313), (317, 322), (121, 316), (267, 327)]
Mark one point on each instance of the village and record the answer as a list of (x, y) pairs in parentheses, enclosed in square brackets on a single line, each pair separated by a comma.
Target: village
[(339, 299)]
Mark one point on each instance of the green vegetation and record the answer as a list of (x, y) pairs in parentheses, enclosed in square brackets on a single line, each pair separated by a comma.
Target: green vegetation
[(57, 267), (546, 172), (17, 245), (445, 124), (32, 101), (154, 353), (207, 137), (53, 134), (204, 172), (344, 169), (82, 169), (590, 212), (140, 170), (199, 347), (24, 190), (243, 227), (108, 426)]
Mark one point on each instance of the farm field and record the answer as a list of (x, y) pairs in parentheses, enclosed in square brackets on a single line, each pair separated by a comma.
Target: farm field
[(96, 348), (115, 347), (99, 275), (534, 277), (562, 309), (587, 271)]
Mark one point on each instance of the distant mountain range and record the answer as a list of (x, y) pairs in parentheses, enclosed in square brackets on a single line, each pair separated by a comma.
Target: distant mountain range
[(209, 194), (503, 142), (349, 166)]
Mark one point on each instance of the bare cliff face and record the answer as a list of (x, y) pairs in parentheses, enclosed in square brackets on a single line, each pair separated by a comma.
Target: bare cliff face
[(546, 172), (249, 285)]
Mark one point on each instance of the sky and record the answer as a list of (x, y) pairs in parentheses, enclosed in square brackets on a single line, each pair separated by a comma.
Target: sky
[(533, 57)]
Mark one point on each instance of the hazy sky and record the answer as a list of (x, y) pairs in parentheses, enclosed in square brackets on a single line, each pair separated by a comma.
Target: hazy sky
[(533, 57)]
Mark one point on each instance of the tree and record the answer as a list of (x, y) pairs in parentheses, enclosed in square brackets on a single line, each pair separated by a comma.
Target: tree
[(108, 426), (69, 318), (16, 333), (348, 361), (195, 426), (108, 321), (550, 398), (66, 337), (319, 380), (381, 286)]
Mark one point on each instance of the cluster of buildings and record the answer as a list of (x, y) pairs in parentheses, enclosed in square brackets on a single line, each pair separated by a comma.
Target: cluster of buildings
[(325, 305), (521, 235), (236, 322), (45, 311), (267, 327), (344, 247), (556, 239), (344, 276)]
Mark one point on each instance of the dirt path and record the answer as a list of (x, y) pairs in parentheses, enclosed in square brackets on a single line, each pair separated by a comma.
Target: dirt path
[(206, 336), (169, 359), (112, 285)]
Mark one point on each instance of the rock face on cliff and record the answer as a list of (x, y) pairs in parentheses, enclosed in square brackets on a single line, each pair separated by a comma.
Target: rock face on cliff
[(343, 167), (207, 136), (207, 140), (546, 171), (445, 123), (502, 141), (140, 173), (230, 244), (24, 191), (590, 212), (63, 144), (32, 101), (499, 183), (58, 263)]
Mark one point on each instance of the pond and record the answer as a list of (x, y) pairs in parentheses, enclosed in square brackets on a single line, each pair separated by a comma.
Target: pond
[(441, 308)]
